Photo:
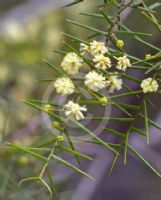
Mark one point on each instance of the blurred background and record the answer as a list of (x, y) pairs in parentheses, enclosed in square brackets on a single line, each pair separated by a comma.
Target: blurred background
[(29, 32)]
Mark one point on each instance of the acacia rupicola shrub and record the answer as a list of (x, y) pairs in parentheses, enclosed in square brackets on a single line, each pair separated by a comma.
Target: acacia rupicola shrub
[(101, 68)]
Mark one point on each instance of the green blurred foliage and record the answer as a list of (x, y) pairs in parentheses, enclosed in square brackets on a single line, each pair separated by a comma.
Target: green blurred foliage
[(23, 49)]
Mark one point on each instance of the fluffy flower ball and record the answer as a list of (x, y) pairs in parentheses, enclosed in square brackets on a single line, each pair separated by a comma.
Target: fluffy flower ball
[(114, 83), (123, 63), (74, 110), (64, 86), (95, 81), (84, 49), (71, 63), (120, 43), (102, 62), (97, 48), (149, 85)]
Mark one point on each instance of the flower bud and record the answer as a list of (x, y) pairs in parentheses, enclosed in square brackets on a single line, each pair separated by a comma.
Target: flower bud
[(56, 124), (148, 56), (103, 101), (23, 160), (120, 43), (60, 138), (48, 108)]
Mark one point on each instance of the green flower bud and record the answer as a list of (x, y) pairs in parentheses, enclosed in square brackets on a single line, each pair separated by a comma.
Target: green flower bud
[(148, 56), (103, 101), (60, 138), (56, 124), (120, 43), (48, 108), (23, 160)]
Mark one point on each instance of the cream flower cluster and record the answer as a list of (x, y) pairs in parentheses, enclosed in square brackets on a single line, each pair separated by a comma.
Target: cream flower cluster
[(123, 63), (149, 85), (98, 48), (84, 49), (114, 83), (64, 86), (102, 62), (71, 63), (74, 110), (97, 51), (96, 79)]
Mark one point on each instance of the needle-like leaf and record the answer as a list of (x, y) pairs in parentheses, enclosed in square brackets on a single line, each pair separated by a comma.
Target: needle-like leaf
[(87, 27), (93, 135), (71, 145), (146, 121), (74, 3), (114, 132), (69, 165), (135, 153)]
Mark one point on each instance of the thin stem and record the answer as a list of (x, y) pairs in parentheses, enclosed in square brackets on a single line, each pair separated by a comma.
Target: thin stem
[(48, 160)]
